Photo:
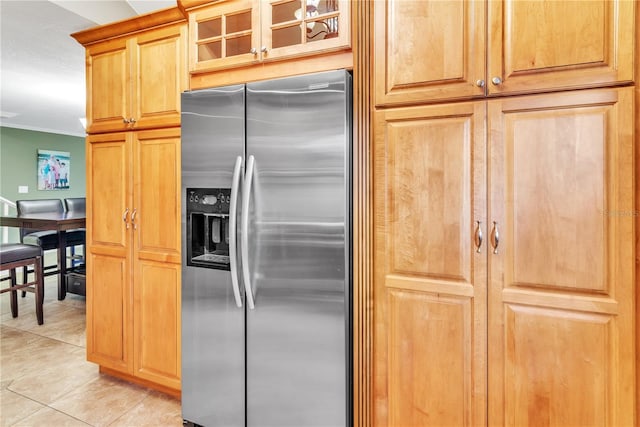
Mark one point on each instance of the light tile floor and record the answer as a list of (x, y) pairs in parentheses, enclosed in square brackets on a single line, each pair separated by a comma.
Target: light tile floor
[(45, 379)]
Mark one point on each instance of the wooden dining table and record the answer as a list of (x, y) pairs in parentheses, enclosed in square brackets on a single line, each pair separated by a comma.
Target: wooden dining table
[(61, 222)]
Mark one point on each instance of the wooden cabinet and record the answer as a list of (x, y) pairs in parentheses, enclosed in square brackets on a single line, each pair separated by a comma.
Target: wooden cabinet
[(135, 82), (429, 51), (242, 32), (430, 280), (136, 71), (133, 246), (504, 256), (561, 282), (109, 255)]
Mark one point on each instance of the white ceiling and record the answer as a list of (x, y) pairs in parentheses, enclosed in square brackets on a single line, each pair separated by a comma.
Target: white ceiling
[(42, 69)]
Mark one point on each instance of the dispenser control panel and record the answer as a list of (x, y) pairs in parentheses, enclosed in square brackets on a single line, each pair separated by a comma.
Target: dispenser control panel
[(208, 200)]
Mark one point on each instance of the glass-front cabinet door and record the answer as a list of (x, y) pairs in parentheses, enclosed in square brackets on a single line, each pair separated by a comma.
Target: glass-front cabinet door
[(224, 35), (241, 32), (296, 27)]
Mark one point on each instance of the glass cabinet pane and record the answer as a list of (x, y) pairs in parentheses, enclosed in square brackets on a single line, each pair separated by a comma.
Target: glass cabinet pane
[(323, 29), (287, 11), (238, 45), (210, 28), (238, 22), (286, 36), (323, 6), (208, 51)]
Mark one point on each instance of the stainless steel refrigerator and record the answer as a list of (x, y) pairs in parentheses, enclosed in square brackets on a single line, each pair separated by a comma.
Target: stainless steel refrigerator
[(266, 272)]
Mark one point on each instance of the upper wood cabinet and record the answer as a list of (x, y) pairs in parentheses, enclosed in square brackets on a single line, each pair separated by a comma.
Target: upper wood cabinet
[(135, 82), (429, 51), (242, 32)]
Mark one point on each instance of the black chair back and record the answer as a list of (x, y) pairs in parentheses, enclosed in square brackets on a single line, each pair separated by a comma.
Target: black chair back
[(37, 206), (76, 204)]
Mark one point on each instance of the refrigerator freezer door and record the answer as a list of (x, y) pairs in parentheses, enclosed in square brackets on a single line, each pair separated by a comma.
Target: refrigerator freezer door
[(213, 348), (298, 130)]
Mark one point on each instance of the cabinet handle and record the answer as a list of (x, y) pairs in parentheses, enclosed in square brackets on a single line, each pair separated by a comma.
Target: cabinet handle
[(124, 217), (480, 83), (478, 236), (132, 120), (133, 219), (254, 51), (126, 121), (495, 237), (263, 49), (496, 81)]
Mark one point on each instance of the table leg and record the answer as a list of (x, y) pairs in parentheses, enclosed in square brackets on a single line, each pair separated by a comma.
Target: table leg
[(62, 261)]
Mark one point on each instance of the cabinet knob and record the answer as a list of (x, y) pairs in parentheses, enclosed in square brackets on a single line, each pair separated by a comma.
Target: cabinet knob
[(263, 49), (254, 51), (126, 121), (496, 81), (132, 120), (480, 83)]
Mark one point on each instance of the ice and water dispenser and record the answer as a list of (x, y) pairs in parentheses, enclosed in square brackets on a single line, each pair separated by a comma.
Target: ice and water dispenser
[(208, 227)]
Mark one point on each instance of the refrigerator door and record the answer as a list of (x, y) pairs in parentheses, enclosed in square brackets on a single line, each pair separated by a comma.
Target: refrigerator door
[(213, 341), (298, 132)]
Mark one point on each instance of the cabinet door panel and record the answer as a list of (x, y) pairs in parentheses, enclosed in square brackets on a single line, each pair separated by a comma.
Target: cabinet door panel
[(222, 35), (108, 311), (156, 251), (428, 50), (159, 77), (108, 90), (108, 250), (156, 310), (561, 283), (288, 32), (157, 195), (430, 280), (537, 46), (108, 191)]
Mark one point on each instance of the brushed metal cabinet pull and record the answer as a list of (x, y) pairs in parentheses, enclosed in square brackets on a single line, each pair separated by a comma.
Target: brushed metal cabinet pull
[(478, 236), (495, 237), (133, 219), (124, 217)]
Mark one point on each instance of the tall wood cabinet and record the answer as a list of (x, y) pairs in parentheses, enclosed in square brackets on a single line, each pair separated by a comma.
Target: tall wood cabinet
[(504, 246), (133, 266), (134, 83)]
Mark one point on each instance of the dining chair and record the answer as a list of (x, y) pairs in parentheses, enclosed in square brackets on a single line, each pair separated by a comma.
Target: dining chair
[(15, 255), (77, 205), (46, 239)]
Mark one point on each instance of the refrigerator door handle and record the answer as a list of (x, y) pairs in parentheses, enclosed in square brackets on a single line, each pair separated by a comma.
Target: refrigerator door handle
[(233, 227), (246, 196)]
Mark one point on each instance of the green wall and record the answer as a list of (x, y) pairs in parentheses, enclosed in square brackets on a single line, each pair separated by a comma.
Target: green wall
[(18, 165)]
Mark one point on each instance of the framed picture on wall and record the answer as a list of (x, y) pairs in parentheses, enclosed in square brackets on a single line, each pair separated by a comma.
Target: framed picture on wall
[(54, 170)]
